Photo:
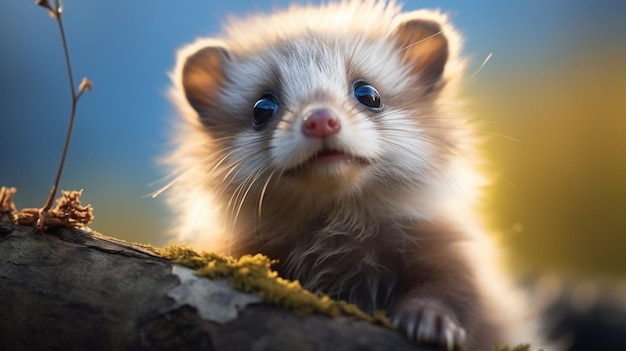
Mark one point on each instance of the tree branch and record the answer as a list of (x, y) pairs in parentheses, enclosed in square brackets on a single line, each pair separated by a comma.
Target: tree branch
[(73, 290)]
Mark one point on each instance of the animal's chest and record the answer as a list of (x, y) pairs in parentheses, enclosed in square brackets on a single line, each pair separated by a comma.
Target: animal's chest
[(369, 272)]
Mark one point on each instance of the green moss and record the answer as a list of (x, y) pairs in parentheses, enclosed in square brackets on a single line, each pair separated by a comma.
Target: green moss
[(253, 274)]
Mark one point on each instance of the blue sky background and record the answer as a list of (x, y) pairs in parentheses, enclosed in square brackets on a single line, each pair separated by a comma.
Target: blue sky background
[(127, 47)]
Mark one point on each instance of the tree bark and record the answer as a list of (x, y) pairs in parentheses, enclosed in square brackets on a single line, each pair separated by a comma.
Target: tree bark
[(68, 289)]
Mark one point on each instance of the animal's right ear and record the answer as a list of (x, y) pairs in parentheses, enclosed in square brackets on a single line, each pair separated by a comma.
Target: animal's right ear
[(203, 76)]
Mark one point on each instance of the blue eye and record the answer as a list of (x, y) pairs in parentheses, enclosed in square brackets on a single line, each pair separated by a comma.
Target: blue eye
[(367, 96), (264, 110)]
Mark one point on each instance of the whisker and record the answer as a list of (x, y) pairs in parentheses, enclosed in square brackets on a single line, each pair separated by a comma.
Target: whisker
[(420, 41), (508, 181), (482, 64), (263, 192), (495, 134), (251, 180), (182, 174), (399, 51), (161, 190)]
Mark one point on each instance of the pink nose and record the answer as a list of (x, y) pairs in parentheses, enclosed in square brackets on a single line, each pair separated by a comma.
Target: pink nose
[(320, 123)]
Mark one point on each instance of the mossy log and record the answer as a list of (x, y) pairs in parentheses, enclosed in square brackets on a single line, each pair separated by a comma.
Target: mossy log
[(68, 289)]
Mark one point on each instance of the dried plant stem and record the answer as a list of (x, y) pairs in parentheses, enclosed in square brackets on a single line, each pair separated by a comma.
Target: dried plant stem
[(75, 97)]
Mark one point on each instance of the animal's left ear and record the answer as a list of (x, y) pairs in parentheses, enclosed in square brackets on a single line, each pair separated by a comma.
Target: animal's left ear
[(424, 47)]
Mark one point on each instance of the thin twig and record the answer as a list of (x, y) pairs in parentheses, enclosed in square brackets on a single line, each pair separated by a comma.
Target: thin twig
[(85, 85)]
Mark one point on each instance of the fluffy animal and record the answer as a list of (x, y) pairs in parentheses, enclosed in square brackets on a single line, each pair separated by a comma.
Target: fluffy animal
[(329, 138)]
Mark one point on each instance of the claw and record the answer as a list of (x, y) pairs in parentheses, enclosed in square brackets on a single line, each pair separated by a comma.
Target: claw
[(410, 328), (431, 324), (449, 339), (462, 336), (425, 328), (396, 322)]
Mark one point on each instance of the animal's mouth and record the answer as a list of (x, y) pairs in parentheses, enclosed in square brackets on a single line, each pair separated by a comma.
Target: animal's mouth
[(327, 158), (333, 155)]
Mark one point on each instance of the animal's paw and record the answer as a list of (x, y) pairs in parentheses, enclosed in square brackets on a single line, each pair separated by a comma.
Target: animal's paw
[(431, 323)]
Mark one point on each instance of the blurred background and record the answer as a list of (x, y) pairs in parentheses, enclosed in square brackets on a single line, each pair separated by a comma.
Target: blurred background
[(556, 83)]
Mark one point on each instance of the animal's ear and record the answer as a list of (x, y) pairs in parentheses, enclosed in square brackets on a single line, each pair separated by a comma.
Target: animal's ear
[(203, 76), (424, 47)]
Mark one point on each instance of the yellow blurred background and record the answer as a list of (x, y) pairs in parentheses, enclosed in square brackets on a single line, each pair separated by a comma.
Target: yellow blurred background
[(559, 194)]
